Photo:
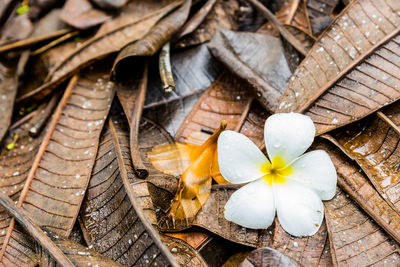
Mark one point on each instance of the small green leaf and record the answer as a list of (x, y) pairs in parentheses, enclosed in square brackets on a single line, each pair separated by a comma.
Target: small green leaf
[(23, 9)]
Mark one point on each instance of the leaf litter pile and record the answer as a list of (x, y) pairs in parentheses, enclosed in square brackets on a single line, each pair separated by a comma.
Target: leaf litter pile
[(110, 112)]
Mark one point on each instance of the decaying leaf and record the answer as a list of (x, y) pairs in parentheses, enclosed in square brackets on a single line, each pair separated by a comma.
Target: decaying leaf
[(257, 58), (308, 251), (116, 34), (78, 254), (352, 70), (57, 181), (355, 183), (211, 218), (160, 34), (195, 183), (321, 14), (110, 4), (355, 239), (82, 15), (223, 15)]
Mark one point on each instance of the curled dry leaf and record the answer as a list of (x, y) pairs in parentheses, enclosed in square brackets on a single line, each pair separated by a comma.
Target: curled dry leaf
[(78, 254), (223, 15), (82, 15), (352, 70), (57, 181), (353, 236), (257, 58), (355, 183), (211, 218), (184, 253), (160, 34), (195, 183), (110, 4), (116, 34), (308, 251)]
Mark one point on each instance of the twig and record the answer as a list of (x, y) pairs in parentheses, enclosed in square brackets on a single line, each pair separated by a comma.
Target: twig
[(137, 162), (34, 230), (388, 121), (54, 43), (42, 115), (31, 41), (283, 31), (165, 69)]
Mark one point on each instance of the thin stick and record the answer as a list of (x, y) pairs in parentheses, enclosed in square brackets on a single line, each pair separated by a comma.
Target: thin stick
[(388, 121), (31, 41), (164, 65), (285, 33), (54, 43), (21, 217), (137, 162)]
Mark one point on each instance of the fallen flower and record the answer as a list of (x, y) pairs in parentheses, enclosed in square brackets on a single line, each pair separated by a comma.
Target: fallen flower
[(289, 183)]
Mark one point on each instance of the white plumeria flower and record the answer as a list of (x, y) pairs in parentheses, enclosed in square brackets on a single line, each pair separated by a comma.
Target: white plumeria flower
[(291, 184)]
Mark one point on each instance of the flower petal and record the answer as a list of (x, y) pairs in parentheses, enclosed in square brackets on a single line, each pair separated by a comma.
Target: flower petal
[(252, 206), (316, 170), (288, 135), (300, 210), (239, 159)]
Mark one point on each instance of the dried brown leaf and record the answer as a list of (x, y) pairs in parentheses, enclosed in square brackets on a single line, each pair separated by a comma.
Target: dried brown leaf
[(14, 169), (8, 91), (308, 251), (258, 59), (211, 218), (268, 257), (226, 99), (109, 221), (224, 14), (115, 35), (82, 15), (355, 239), (78, 254), (160, 34), (59, 175), (352, 70), (373, 144)]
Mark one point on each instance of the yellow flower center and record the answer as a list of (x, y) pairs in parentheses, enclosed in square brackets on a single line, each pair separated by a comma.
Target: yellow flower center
[(276, 171)]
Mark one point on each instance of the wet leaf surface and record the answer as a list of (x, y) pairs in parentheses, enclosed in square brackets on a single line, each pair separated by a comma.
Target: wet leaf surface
[(78, 254), (259, 59), (353, 236), (14, 168), (351, 71), (57, 181), (355, 183), (308, 251), (212, 219)]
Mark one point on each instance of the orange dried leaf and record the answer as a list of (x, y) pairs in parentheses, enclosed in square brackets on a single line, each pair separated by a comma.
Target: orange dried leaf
[(195, 183)]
